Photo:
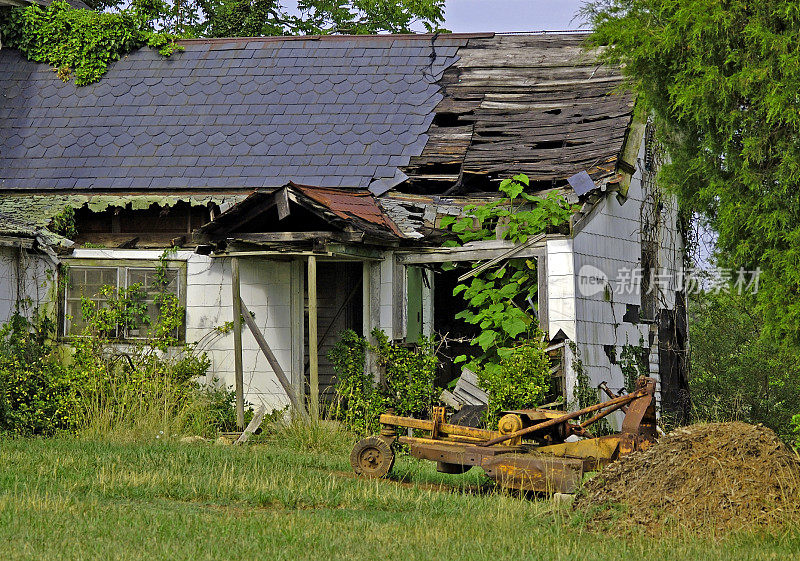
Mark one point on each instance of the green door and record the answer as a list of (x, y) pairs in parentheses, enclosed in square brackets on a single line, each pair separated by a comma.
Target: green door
[(414, 304)]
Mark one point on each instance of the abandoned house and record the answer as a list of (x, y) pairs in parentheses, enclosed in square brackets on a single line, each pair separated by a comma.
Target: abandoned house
[(316, 171)]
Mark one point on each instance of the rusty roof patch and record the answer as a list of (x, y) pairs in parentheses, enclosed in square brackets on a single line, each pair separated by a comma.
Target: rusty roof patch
[(351, 204)]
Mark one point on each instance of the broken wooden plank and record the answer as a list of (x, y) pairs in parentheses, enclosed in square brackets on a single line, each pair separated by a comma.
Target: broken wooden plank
[(467, 390), (253, 425)]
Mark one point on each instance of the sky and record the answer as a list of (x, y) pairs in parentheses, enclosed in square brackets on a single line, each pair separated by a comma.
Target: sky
[(467, 16)]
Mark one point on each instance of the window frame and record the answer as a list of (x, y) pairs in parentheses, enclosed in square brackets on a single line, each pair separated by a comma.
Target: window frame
[(122, 266)]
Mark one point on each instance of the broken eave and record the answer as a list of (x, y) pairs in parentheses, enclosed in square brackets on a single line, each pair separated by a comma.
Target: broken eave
[(302, 215)]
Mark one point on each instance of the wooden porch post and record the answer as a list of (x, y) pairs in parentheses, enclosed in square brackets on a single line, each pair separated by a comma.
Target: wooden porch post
[(237, 341), (313, 351)]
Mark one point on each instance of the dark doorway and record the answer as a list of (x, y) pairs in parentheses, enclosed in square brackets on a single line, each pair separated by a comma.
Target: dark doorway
[(673, 362), (458, 333), (339, 307)]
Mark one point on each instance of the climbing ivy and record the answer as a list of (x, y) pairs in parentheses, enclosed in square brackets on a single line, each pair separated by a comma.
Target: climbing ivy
[(634, 361), (82, 43), (500, 300)]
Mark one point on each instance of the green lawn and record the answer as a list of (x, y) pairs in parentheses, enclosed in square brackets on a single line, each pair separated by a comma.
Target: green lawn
[(71, 499)]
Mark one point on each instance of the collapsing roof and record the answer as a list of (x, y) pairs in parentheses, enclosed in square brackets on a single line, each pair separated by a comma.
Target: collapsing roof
[(302, 213), (420, 113), (535, 104)]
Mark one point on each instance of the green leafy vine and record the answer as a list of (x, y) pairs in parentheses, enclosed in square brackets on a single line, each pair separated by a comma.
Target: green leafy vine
[(82, 43)]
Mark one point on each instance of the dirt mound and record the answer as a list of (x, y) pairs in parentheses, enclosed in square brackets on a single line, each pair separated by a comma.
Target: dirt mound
[(718, 477)]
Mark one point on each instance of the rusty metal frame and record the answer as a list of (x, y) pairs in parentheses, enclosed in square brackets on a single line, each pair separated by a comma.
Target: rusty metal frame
[(556, 467)]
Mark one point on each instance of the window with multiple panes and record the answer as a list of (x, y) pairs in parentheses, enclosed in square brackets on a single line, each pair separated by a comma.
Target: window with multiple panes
[(87, 281)]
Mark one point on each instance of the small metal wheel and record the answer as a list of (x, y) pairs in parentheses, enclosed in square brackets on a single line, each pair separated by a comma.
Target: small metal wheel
[(372, 457)]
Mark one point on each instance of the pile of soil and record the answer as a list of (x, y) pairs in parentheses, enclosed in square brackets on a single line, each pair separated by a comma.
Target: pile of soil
[(716, 477)]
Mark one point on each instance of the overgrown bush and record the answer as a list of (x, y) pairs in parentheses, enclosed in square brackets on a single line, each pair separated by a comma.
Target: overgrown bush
[(358, 403), (521, 379), (37, 394), (102, 384), (408, 375), (406, 384)]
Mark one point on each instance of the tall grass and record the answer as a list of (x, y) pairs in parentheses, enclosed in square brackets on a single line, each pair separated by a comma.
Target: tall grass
[(75, 499), (122, 412)]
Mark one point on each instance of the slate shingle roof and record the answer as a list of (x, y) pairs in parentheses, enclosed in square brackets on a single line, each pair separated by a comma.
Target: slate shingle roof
[(232, 113)]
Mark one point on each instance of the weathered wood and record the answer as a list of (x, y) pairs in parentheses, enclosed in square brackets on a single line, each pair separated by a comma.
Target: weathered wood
[(252, 426), (237, 342), (266, 237), (282, 202), (273, 361), (541, 105), (313, 344), (457, 254)]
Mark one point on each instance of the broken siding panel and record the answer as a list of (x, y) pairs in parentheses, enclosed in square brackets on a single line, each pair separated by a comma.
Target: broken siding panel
[(608, 246), (560, 288), (610, 242)]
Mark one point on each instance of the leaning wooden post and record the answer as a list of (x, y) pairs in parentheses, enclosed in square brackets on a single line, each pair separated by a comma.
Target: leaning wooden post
[(237, 341), (273, 362), (313, 358)]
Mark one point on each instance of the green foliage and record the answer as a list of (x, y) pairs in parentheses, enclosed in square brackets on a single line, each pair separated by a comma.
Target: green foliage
[(357, 17), (255, 18), (407, 381), (37, 396), (634, 361), (63, 223), (408, 375), (81, 42), (106, 385), (736, 372), (521, 379), (796, 429), (500, 300), (358, 403), (722, 80), (583, 394)]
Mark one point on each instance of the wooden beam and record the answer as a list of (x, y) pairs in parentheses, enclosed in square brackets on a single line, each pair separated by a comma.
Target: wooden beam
[(273, 361), (313, 352), (514, 251), (471, 253), (243, 219), (252, 427), (262, 237), (282, 201), (237, 341)]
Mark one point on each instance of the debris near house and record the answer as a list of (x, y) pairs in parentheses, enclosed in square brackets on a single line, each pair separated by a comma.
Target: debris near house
[(718, 477)]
